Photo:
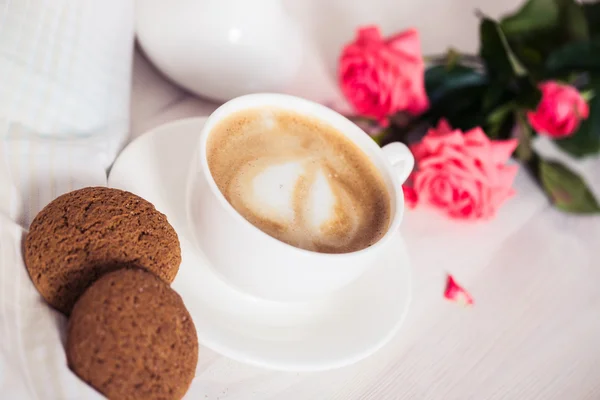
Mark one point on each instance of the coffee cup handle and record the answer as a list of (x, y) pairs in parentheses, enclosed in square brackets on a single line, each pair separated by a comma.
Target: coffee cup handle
[(401, 159)]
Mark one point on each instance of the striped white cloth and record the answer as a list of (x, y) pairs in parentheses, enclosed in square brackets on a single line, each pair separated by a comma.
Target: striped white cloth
[(65, 79), (65, 72)]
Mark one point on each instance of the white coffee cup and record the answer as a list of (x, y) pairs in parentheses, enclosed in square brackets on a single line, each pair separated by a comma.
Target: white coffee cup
[(260, 265)]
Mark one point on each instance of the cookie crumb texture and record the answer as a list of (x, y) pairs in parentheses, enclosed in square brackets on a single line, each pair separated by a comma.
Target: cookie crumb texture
[(131, 337), (86, 233)]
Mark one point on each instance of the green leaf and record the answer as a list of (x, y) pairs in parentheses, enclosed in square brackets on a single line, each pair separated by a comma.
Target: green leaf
[(496, 52), (461, 107), (530, 54), (592, 15), (538, 17), (455, 93), (525, 133), (566, 189), (501, 112), (574, 23), (441, 80), (586, 140), (528, 96), (588, 95), (460, 100), (582, 56), (466, 121), (497, 120), (494, 94), (533, 16), (380, 137), (540, 26), (452, 58)]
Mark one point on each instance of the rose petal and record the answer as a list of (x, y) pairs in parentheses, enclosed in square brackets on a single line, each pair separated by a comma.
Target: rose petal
[(457, 293), (549, 87), (411, 198), (537, 122), (502, 150), (368, 34), (477, 136), (407, 43), (422, 179), (441, 191), (418, 150), (443, 126), (468, 202), (455, 162), (432, 142), (582, 108), (507, 175)]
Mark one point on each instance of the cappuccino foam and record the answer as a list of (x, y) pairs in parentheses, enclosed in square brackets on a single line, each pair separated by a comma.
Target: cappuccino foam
[(299, 180)]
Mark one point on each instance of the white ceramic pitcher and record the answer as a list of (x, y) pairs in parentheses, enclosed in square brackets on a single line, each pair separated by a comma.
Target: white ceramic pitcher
[(221, 49)]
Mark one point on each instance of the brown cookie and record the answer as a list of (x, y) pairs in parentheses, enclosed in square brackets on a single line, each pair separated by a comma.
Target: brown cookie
[(86, 233), (131, 337)]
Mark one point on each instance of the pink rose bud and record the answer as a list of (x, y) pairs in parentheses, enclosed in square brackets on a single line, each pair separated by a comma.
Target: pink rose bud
[(380, 77), (559, 112), (463, 174)]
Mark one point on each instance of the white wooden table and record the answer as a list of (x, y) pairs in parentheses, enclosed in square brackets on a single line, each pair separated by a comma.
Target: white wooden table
[(534, 332)]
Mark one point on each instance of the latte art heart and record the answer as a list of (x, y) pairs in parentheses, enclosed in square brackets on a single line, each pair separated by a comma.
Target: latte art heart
[(299, 180), (298, 197)]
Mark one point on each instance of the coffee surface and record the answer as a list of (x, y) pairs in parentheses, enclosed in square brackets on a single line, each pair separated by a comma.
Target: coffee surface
[(299, 180)]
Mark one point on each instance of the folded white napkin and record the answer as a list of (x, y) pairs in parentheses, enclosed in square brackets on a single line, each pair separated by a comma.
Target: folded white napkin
[(32, 358), (65, 68)]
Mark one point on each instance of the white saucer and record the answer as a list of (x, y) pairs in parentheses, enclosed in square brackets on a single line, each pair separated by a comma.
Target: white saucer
[(338, 331)]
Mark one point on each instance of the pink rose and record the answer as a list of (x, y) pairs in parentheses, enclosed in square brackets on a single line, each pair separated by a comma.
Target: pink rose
[(380, 77), (559, 112), (463, 174)]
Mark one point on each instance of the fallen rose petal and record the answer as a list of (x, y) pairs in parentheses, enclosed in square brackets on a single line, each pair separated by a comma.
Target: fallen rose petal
[(457, 293)]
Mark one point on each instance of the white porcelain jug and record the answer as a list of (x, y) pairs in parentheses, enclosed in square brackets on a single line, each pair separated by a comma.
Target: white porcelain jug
[(221, 49)]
